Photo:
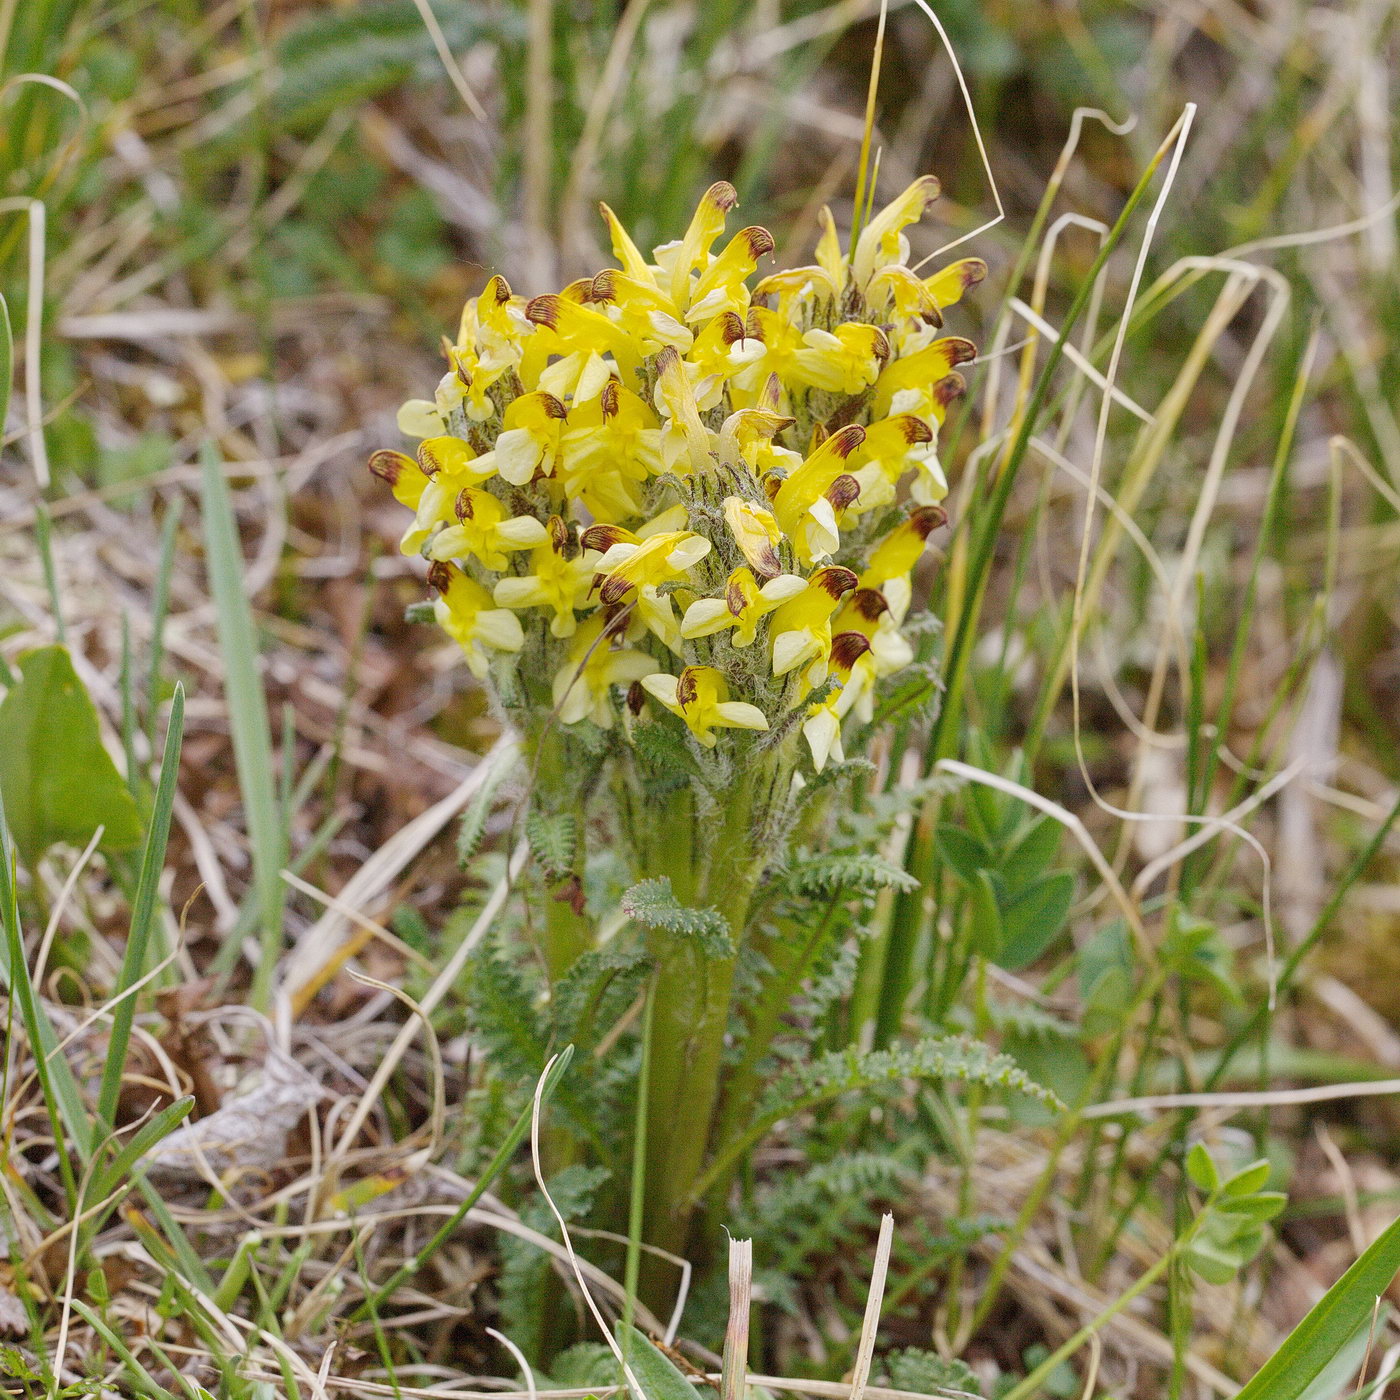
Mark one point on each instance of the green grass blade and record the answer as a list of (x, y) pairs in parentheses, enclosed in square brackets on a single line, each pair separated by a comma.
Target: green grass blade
[(247, 705), (67, 1113), (160, 610), (143, 915), (1316, 1340), (157, 1130)]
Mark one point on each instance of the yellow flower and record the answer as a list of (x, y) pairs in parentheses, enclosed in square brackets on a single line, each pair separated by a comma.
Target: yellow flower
[(893, 560), (555, 581), (890, 448), (844, 361), (948, 284), (406, 479), (701, 698), (867, 613), (485, 532), (721, 286), (530, 441), (912, 383), (633, 568), (822, 726), (643, 311), (800, 503), (685, 440), (678, 260), (720, 351), (780, 336), (565, 327), (582, 687), (464, 611), (756, 533), (610, 442), (743, 606), (450, 466), (801, 627), (882, 241)]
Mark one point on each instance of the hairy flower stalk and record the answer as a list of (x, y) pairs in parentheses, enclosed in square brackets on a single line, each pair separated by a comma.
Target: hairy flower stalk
[(672, 514)]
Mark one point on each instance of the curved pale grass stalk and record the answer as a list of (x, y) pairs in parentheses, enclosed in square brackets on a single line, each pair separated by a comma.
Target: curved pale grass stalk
[(441, 985), (632, 1381), (437, 1119), (977, 136), (33, 328), (531, 1390)]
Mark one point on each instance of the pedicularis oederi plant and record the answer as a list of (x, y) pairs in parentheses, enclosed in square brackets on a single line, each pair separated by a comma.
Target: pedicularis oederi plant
[(672, 515)]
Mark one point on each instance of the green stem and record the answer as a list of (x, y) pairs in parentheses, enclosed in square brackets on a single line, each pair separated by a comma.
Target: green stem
[(635, 1208), (1034, 1381)]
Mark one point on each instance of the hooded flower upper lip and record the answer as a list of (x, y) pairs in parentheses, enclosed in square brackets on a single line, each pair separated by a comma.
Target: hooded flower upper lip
[(698, 455)]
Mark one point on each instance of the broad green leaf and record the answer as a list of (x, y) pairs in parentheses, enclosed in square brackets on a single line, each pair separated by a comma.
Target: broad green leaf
[(658, 1377), (57, 780), (987, 934), (1030, 857), (1248, 1179), (1333, 1320), (1200, 1167), (1033, 918), (962, 852)]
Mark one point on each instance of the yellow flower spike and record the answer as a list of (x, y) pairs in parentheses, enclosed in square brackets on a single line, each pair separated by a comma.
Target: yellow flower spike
[(744, 605), (918, 375), (406, 479), (756, 533), (582, 686), (844, 361), (642, 310), (679, 260), (893, 559), (555, 581), (465, 611), (700, 697), (484, 532), (530, 442), (625, 251), (882, 241), (801, 627), (822, 727), (685, 440), (720, 351), (829, 256), (867, 612), (722, 285), (890, 448), (948, 284)]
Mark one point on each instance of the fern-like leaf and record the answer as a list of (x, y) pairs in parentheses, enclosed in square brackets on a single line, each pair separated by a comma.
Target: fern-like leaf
[(553, 838), (653, 904), (849, 872)]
